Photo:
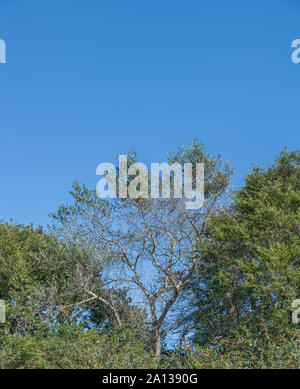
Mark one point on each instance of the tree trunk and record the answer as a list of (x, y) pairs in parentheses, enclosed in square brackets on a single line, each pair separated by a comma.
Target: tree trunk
[(157, 344)]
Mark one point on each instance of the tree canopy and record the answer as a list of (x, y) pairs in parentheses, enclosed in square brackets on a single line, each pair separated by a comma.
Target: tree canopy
[(111, 283)]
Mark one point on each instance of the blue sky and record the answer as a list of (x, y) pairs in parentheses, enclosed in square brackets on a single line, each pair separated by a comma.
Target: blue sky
[(85, 80)]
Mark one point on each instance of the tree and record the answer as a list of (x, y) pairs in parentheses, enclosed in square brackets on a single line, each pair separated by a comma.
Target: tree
[(144, 245), (250, 271), (19, 279)]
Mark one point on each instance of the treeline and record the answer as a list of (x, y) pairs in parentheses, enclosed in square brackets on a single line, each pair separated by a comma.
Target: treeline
[(145, 283)]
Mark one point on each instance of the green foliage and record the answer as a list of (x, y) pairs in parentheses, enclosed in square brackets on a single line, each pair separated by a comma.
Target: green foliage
[(217, 174), (250, 265), (19, 278), (70, 347), (247, 276), (241, 353)]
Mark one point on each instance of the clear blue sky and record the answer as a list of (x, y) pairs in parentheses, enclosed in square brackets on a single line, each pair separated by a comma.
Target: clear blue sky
[(86, 79)]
